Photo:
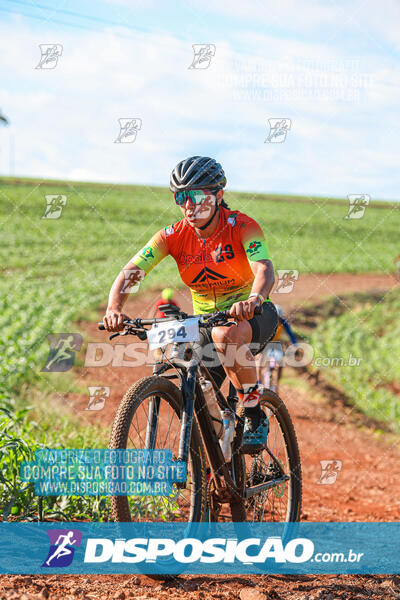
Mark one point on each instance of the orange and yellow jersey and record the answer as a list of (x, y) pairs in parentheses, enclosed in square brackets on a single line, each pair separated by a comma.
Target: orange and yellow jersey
[(216, 269)]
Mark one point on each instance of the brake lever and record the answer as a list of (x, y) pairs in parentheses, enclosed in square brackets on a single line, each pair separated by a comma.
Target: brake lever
[(225, 323), (220, 322), (130, 331), (113, 335), (257, 311)]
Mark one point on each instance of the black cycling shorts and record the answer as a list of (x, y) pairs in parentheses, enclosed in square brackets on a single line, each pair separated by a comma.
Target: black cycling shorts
[(263, 330)]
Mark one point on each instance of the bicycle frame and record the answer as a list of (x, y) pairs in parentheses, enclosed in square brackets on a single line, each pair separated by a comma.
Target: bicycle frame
[(194, 403)]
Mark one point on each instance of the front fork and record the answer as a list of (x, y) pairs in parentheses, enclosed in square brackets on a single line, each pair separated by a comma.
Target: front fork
[(188, 383), (219, 468), (152, 422)]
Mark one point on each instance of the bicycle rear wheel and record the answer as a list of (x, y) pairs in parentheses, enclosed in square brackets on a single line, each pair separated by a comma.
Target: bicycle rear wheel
[(129, 431), (282, 502)]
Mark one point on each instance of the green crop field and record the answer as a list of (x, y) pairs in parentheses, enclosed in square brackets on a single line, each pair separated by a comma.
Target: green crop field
[(55, 270), (356, 344), (369, 332), (58, 270)]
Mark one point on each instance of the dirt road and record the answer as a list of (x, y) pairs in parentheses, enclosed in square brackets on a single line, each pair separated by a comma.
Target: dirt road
[(367, 487)]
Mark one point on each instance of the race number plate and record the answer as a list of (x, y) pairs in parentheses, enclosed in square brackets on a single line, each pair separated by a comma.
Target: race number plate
[(162, 334)]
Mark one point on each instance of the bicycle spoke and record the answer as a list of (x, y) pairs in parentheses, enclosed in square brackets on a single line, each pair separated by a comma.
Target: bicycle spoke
[(271, 504), (167, 437)]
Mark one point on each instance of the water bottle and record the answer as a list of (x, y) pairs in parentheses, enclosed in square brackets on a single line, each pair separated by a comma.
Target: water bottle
[(228, 420), (212, 405)]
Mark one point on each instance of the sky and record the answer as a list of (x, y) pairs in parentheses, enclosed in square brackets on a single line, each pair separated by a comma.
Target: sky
[(327, 70)]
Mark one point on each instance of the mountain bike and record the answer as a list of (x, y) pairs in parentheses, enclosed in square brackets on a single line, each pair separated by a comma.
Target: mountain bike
[(159, 413)]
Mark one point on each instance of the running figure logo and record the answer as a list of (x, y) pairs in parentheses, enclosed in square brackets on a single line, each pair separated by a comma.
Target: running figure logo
[(357, 205), (50, 53), (54, 205), (329, 471), (133, 279), (128, 129), (278, 129), (62, 351), (61, 552), (286, 280), (203, 54)]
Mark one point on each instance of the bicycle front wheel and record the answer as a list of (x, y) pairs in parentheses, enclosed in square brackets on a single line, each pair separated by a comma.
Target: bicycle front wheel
[(158, 399), (282, 501)]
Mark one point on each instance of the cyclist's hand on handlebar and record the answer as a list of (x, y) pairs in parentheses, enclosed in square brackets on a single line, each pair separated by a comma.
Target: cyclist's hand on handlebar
[(114, 320), (244, 310)]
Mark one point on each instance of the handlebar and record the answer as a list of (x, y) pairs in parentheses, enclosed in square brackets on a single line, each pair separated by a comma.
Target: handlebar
[(137, 326), (142, 322)]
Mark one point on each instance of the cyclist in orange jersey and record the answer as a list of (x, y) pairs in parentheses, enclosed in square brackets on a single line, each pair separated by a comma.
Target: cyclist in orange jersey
[(222, 257)]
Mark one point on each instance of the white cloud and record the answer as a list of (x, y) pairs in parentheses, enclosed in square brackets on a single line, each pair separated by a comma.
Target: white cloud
[(368, 22), (66, 119), (286, 14)]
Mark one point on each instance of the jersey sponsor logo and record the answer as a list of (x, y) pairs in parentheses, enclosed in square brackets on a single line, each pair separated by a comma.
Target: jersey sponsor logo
[(197, 259), (147, 252), (253, 248), (224, 284), (207, 274), (221, 253), (169, 230)]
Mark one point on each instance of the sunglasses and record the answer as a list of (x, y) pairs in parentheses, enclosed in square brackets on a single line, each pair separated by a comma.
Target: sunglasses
[(195, 196)]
